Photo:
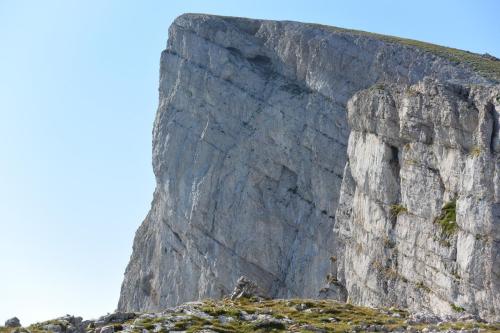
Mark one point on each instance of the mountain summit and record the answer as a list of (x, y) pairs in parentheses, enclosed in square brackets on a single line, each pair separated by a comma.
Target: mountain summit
[(321, 163)]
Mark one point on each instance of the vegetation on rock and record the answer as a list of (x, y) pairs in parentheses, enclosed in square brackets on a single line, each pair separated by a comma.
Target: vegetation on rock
[(248, 315), (485, 65), (447, 220), (396, 210)]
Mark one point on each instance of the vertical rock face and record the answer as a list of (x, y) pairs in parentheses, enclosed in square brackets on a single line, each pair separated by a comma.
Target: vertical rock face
[(250, 146), (418, 220)]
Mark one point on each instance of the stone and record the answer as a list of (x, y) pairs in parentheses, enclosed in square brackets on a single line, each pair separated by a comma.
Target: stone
[(247, 317), (312, 328), (107, 329), (13, 322), (225, 319), (72, 324), (295, 154), (246, 289), (116, 317), (490, 57), (56, 328), (270, 323), (334, 291)]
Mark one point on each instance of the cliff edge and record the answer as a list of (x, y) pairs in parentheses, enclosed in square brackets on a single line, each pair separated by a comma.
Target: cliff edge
[(321, 162)]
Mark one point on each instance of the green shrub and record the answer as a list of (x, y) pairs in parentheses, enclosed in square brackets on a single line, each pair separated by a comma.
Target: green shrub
[(411, 92), (398, 209), (447, 220), (421, 285), (475, 151), (378, 86), (388, 243), (457, 308)]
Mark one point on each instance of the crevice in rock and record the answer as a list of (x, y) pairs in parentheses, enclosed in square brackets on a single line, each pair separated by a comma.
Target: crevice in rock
[(176, 234), (234, 51), (395, 165), (262, 63), (490, 108)]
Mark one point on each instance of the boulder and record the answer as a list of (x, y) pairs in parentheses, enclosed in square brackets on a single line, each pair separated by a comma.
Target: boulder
[(246, 288), (13, 322)]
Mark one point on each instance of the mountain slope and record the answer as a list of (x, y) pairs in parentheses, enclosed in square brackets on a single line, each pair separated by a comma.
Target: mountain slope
[(245, 315)]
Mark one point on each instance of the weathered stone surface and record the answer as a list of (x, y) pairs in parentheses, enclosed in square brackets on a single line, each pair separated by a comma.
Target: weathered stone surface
[(107, 329), (246, 288), (333, 290), (412, 150), (249, 153), (12, 322), (56, 328), (115, 317)]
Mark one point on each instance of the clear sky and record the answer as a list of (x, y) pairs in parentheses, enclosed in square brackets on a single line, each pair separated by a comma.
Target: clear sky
[(78, 93)]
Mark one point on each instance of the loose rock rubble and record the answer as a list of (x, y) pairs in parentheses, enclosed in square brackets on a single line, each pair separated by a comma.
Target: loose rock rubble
[(250, 315), (246, 288)]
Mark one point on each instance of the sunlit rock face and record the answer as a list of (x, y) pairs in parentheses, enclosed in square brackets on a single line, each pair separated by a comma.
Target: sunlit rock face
[(418, 218), (258, 173)]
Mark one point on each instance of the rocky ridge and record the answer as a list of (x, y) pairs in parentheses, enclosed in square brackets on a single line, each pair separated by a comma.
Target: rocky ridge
[(246, 315), (320, 162)]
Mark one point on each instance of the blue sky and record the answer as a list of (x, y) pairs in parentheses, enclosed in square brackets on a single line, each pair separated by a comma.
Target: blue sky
[(78, 93)]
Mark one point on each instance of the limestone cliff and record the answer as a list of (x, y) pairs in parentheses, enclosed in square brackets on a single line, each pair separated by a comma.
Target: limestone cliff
[(418, 218), (258, 173)]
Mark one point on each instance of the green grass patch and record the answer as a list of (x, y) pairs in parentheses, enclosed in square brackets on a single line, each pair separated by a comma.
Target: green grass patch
[(318, 315), (447, 220), (398, 209), (457, 308), (378, 86), (422, 286), (483, 65), (475, 151)]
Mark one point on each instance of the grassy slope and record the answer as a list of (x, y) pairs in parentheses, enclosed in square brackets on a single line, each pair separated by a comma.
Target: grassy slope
[(329, 316), (484, 66)]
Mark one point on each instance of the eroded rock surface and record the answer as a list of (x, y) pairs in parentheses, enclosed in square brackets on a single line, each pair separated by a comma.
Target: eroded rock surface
[(246, 288), (250, 145), (414, 151), (13, 322)]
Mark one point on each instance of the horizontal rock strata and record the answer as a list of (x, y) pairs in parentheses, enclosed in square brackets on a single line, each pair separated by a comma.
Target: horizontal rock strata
[(418, 217), (250, 146)]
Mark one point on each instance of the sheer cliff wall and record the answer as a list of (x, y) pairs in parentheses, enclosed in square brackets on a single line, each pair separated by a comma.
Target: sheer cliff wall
[(253, 154)]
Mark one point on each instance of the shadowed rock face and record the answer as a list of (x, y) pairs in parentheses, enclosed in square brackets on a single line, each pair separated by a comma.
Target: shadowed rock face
[(250, 144)]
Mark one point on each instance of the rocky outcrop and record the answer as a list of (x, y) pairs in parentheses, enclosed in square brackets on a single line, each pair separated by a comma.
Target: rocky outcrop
[(12, 322), (246, 288), (250, 144), (418, 218), (249, 316)]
